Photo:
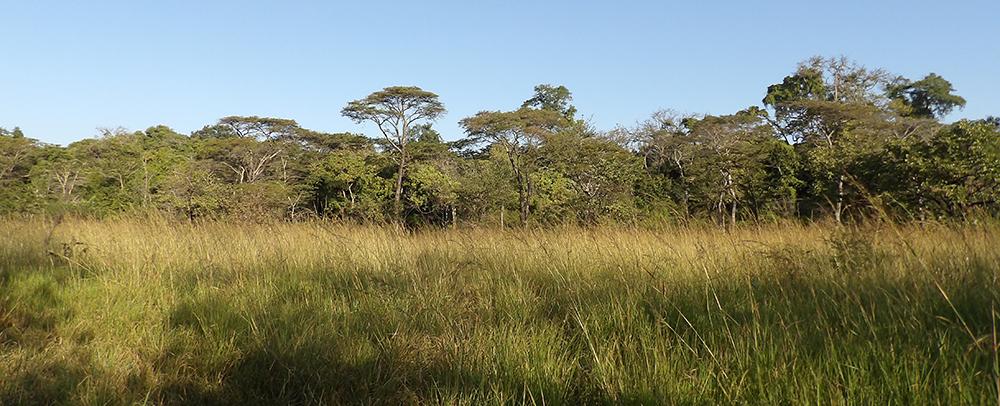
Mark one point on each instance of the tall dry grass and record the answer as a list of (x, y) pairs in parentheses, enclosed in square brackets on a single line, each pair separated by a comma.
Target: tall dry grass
[(149, 311)]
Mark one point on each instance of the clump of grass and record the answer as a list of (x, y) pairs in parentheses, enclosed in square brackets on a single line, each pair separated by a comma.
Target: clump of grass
[(156, 312)]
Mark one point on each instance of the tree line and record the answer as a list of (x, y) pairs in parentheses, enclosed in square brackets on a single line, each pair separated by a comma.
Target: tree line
[(834, 139)]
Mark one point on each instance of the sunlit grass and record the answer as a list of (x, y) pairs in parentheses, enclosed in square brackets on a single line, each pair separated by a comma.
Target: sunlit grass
[(149, 311)]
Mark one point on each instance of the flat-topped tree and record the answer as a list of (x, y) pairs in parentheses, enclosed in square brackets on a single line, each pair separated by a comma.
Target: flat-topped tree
[(259, 128), (395, 111), (518, 134), (249, 146)]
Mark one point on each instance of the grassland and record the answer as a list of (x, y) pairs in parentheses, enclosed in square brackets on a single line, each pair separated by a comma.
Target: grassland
[(129, 311)]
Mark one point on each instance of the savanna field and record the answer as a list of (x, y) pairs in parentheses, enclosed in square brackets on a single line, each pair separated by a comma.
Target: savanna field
[(159, 312)]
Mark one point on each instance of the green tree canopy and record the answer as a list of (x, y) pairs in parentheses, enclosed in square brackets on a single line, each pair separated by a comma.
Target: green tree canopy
[(395, 111), (552, 98), (930, 97)]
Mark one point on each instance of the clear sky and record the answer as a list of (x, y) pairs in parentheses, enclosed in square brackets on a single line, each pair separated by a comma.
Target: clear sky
[(69, 67)]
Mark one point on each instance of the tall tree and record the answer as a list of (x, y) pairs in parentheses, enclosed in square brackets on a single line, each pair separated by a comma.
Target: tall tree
[(250, 146), (847, 81), (731, 147), (518, 134), (554, 98), (259, 128), (663, 143), (930, 97), (395, 111), (601, 173), (826, 105)]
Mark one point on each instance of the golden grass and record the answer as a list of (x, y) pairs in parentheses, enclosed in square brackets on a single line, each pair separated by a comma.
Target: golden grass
[(150, 311)]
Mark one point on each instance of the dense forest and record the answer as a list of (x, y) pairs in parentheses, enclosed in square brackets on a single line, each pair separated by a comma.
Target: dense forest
[(832, 140)]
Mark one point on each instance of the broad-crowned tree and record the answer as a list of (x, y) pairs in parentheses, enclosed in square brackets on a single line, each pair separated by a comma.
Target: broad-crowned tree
[(518, 134), (601, 172), (828, 106), (250, 147), (553, 98), (395, 111), (259, 128), (732, 152), (930, 97)]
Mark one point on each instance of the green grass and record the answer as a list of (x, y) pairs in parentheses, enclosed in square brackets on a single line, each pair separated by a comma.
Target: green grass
[(132, 311)]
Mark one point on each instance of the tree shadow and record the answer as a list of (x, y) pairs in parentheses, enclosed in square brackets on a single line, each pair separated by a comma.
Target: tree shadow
[(285, 357)]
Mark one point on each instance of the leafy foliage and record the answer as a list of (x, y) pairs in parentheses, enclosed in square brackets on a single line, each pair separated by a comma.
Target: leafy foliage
[(834, 138)]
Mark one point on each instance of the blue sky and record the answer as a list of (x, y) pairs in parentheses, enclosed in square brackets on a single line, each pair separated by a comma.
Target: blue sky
[(69, 67)]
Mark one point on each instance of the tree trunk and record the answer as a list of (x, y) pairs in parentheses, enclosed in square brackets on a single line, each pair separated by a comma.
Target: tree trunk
[(190, 209), (398, 202), (721, 208), (838, 211), (732, 194), (687, 194), (732, 215), (403, 134), (523, 191), (522, 198), (343, 213)]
